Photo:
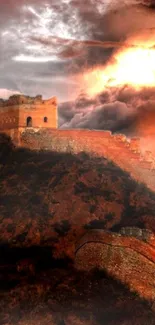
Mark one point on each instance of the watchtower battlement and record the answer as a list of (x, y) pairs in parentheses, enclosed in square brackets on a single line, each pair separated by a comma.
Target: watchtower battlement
[(19, 99), (20, 111)]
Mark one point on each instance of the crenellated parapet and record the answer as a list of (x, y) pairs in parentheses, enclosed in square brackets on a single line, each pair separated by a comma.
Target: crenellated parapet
[(19, 99), (142, 234)]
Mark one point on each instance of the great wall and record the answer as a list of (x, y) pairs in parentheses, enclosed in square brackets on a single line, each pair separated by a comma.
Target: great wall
[(130, 255), (41, 132), (127, 258), (123, 152)]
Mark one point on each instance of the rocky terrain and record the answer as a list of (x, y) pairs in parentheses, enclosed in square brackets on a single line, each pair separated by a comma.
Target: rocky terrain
[(48, 201)]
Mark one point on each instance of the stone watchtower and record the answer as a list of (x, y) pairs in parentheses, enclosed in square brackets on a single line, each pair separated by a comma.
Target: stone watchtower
[(20, 112)]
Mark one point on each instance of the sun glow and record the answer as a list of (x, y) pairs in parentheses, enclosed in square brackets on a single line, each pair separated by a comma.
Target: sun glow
[(135, 67)]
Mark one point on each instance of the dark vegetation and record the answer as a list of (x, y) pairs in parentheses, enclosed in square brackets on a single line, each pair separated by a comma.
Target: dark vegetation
[(48, 200)]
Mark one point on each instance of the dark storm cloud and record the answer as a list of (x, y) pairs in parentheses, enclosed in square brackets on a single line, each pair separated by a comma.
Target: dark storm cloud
[(121, 110), (93, 114), (101, 117), (73, 49), (83, 43)]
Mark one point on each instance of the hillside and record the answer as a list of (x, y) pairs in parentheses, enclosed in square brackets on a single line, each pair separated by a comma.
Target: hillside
[(48, 200), (46, 195)]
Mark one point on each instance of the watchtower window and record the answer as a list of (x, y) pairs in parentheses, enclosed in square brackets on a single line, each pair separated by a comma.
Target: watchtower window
[(45, 119), (29, 121)]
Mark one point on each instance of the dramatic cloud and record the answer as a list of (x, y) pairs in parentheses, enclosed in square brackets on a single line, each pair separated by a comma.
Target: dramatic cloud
[(41, 41), (121, 110), (66, 48)]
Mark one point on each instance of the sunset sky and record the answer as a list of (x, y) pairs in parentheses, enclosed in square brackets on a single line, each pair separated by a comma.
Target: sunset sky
[(71, 49)]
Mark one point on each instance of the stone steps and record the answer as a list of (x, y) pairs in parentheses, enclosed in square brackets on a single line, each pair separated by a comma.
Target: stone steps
[(133, 162)]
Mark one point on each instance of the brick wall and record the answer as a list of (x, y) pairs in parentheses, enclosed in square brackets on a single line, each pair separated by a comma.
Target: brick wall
[(127, 259), (116, 148), (37, 114), (9, 117), (121, 151), (73, 141), (18, 110)]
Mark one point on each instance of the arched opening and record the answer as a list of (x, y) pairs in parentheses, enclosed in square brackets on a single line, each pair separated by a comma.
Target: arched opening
[(29, 121), (45, 119)]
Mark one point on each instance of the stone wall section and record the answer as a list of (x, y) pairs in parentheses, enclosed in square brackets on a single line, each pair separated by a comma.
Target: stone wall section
[(128, 259), (9, 118), (42, 133), (145, 235), (117, 148)]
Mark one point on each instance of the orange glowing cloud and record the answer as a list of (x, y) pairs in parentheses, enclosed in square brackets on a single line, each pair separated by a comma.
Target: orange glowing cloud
[(134, 66)]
